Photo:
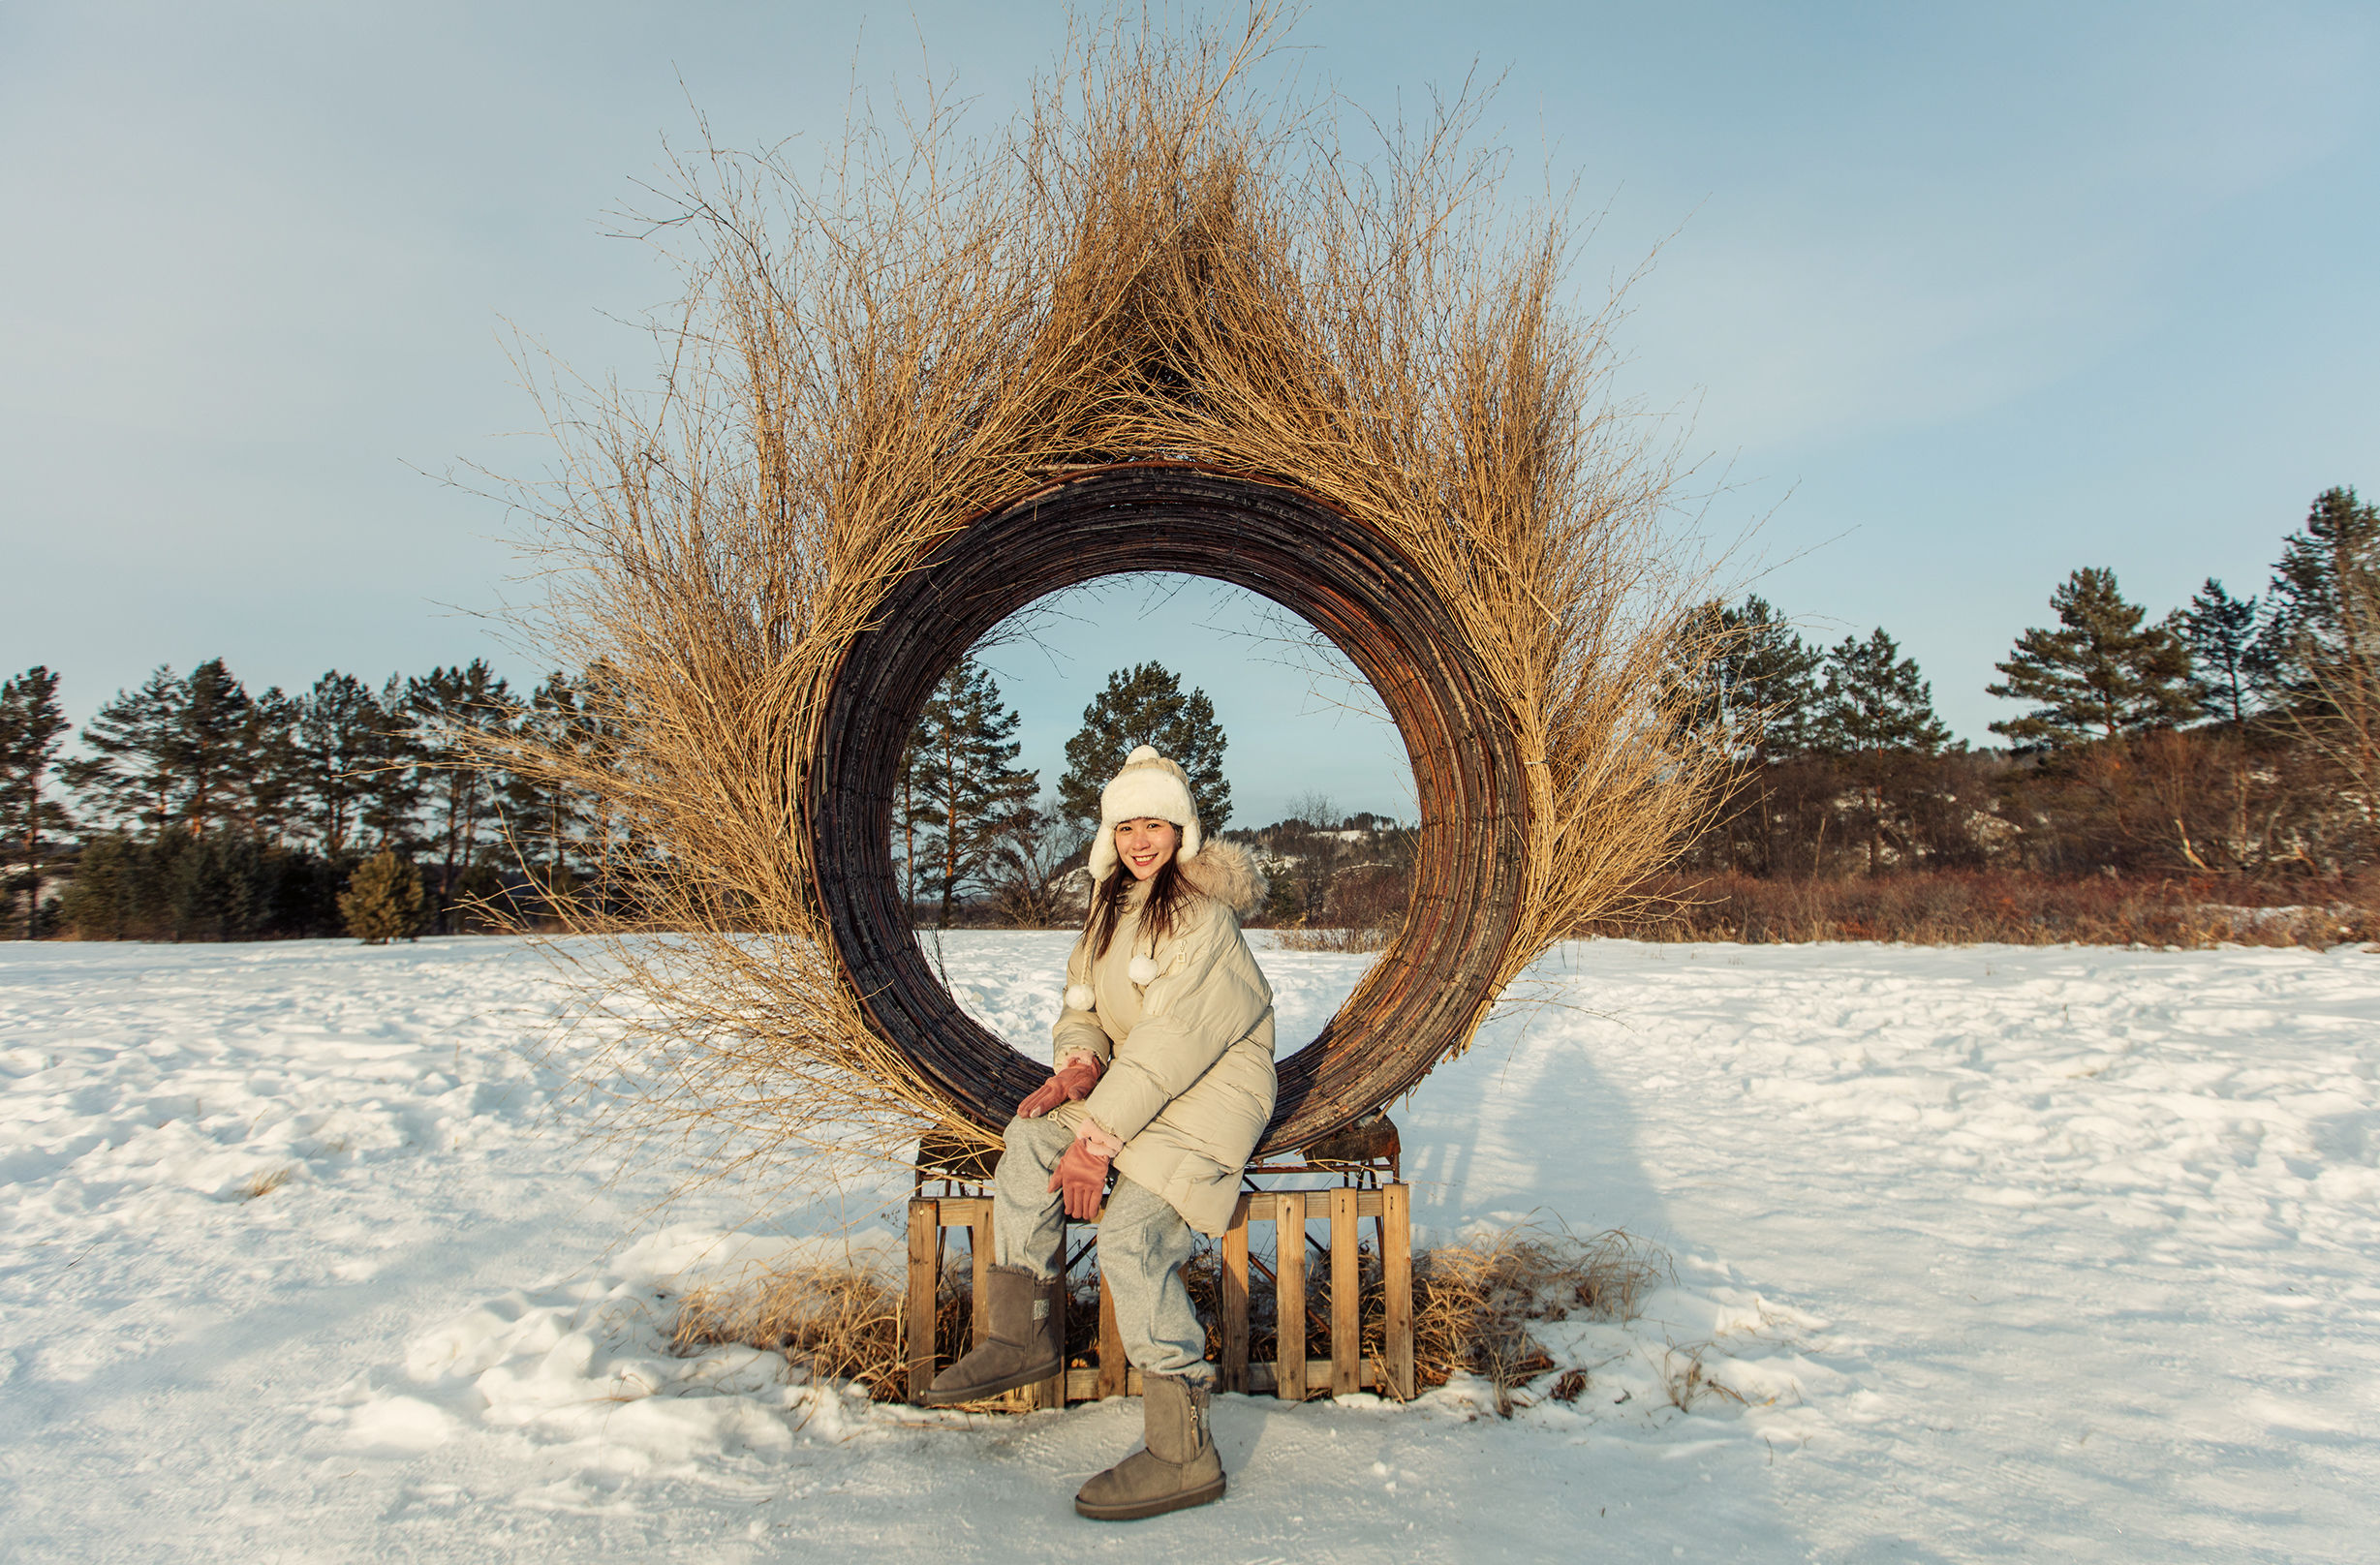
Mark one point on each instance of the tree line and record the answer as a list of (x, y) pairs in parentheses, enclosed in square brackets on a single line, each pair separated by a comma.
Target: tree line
[(2234, 736), (201, 811)]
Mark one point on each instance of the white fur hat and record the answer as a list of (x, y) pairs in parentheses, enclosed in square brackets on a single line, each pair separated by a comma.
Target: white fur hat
[(1149, 785)]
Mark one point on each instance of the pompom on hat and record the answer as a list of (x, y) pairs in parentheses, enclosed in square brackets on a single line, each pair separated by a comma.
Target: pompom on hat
[(1149, 785)]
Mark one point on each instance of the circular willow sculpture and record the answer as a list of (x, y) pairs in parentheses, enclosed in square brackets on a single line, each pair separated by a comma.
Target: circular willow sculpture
[(1244, 353), (1442, 972)]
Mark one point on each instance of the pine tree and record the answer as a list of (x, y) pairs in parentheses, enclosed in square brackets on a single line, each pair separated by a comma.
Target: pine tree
[(218, 884), (605, 840), (388, 773), (1875, 711), (216, 744), (103, 902), (544, 819), (2101, 674), (2221, 633), (1874, 702), (1764, 679), (2323, 637), (1145, 706), (132, 776), (31, 728), (334, 732), (962, 794), (383, 900), (1754, 701), (197, 753), (275, 809), (2323, 570), (1028, 849), (446, 704)]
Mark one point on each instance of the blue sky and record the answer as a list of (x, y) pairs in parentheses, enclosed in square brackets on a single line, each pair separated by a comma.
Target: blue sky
[(1950, 299)]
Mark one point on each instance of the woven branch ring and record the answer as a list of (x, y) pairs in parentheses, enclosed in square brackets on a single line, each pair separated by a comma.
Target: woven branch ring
[(1342, 576)]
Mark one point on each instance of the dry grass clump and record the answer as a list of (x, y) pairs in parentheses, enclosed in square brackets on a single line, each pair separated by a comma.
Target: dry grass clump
[(847, 1324), (1473, 1304), (836, 1323), (1161, 258), (1686, 1378), (265, 1183), (1959, 907)]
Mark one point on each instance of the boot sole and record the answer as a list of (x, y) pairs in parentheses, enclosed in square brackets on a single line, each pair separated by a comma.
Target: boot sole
[(1149, 1507), (930, 1398)]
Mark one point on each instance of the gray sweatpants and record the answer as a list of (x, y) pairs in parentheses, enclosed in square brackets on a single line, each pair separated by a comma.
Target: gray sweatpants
[(1143, 1245)]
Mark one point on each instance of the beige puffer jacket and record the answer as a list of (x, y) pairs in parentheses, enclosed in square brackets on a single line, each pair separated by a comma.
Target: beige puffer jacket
[(1189, 1083)]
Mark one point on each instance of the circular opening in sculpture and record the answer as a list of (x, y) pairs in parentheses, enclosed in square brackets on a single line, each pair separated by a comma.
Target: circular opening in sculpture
[(1332, 570), (1290, 748)]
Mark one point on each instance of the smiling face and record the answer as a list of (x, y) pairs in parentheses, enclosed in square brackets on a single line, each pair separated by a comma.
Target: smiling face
[(1144, 842)]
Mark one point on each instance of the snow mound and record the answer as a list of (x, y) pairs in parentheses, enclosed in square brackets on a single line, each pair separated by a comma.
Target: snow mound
[(586, 1362)]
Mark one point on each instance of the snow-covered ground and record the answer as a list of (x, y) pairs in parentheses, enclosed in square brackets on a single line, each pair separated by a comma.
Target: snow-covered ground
[(1998, 1253)]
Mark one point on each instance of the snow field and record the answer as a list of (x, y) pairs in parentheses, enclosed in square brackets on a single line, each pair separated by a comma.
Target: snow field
[(1980, 1253)]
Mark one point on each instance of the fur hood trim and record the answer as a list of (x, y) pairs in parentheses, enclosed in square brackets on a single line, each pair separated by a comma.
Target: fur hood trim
[(1227, 872)]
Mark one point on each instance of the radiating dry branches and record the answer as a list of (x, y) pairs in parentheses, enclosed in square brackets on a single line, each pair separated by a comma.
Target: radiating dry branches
[(1160, 260)]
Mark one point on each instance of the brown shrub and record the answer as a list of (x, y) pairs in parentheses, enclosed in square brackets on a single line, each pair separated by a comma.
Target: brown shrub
[(1956, 907)]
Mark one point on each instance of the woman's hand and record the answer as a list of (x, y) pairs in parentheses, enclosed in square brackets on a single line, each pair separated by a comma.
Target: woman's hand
[(1070, 1083), (1081, 1179)]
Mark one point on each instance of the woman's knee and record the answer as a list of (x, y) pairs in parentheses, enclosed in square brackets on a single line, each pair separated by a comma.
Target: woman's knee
[(1040, 1139)]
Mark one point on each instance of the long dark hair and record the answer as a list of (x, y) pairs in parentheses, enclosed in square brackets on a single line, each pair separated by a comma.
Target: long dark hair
[(1167, 892)]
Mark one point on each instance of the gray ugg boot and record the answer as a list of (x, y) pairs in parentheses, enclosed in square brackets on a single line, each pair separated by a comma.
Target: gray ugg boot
[(1020, 1346), (1180, 1469)]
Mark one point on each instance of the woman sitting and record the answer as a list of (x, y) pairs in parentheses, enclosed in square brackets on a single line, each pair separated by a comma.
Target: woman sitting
[(1165, 1073)]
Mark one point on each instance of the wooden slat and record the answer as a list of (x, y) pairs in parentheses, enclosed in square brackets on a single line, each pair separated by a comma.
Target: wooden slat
[(1397, 1278), (923, 1232), (979, 1249), (1234, 1374), (965, 1211), (1261, 1203), (1083, 1385), (1289, 1296), (1346, 1279), (1113, 1375), (1261, 1379)]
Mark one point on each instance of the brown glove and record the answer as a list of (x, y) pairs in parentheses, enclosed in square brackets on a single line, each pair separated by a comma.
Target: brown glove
[(1070, 1083), (1081, 1180)]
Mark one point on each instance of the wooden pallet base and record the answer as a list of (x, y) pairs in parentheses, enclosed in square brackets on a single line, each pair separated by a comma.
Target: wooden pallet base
[(1291, 1375)]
